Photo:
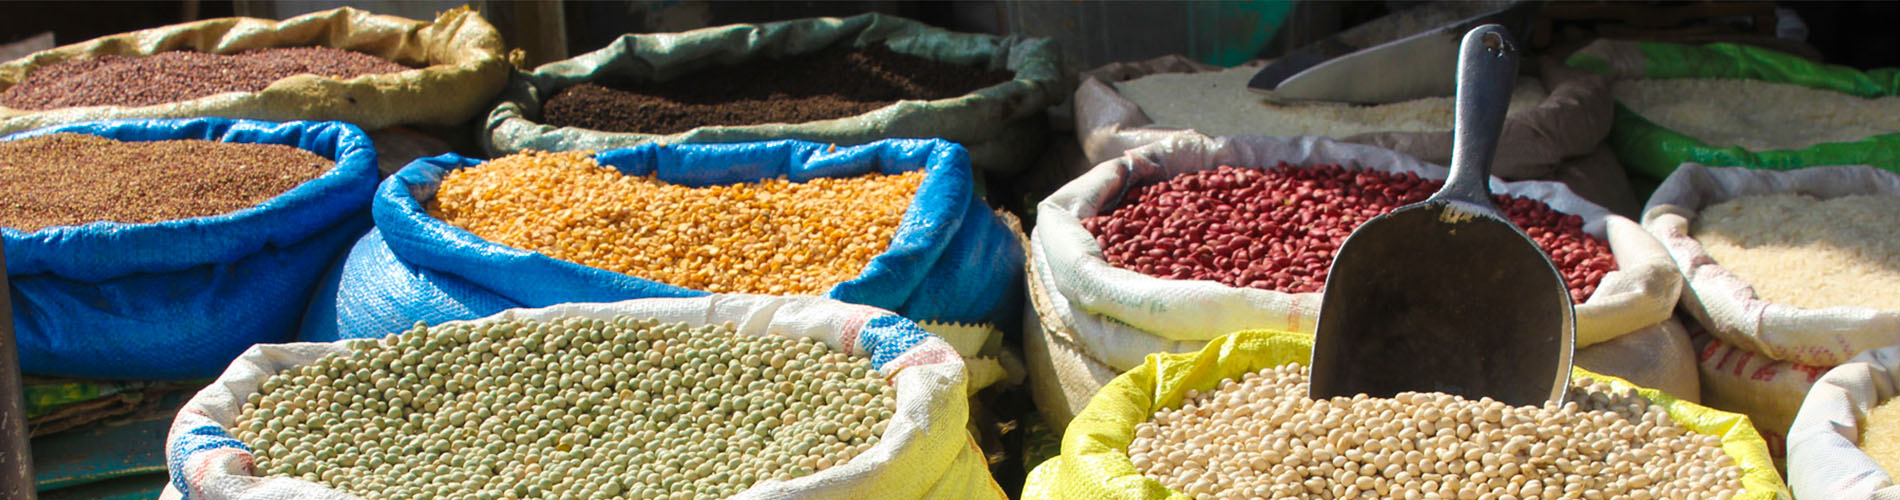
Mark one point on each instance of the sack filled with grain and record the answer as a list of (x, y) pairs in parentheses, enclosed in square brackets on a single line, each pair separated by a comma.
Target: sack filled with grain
[(441, 72), (847, 81), (893, 224), (720, 396), (1558, 113), (1768, 390), (1846, 441), (1797, 265), (1181, 241), (1233, 420), (1660, 357), (161, 249), (1735, 105)]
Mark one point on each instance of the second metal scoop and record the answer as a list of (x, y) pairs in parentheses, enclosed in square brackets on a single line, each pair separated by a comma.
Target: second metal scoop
[(1447, 295)]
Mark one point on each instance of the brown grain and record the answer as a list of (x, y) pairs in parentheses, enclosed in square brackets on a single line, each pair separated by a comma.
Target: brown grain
[(71, 179), (111, 80)]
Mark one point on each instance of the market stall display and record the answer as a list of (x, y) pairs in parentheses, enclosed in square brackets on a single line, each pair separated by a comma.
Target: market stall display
[(1001, 124), (150, 255), (1734, 105), (345, 64), (1127, 439), (1119, 316), (1843, 442), (1558, 114), (947, 259), (884, 421)]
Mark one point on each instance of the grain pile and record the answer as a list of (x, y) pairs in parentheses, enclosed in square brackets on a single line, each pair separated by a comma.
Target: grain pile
[(72, 179), (1261, 437), (1807, 252), (1218, 103), (832, 83), (773, 236), (573, 408), (1758, 115), (1880, 437), (111, 80)]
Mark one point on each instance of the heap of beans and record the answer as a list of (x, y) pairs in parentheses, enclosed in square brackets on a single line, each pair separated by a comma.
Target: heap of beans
[(1261, 437), (1277, 228), (572, 408), (110, 80), (828, 84), (72, 179), (773, 236)]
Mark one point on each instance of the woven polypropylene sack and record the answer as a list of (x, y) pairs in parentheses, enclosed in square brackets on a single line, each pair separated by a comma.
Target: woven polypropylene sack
[(1094, 463), (1659, 357), (1120, 316), (1824, 455), (925, 453), (1570, 122), (459, 61), (1652, 150), (1751, 383), (951, 259), (1729, 306), (1002, 125), (180, 298)]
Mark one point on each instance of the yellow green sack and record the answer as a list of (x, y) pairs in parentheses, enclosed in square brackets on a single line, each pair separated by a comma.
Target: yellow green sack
[(1094, 463), (465, 69)]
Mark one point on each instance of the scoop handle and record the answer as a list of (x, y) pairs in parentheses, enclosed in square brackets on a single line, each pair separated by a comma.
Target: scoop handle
[(1487, 72)]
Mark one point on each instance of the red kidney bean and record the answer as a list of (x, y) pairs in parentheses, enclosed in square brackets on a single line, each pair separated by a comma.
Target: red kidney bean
[(1277, 228)]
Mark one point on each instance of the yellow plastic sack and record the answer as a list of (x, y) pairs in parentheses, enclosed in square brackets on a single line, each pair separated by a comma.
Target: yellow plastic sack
[(465, 69), (1094, 463)]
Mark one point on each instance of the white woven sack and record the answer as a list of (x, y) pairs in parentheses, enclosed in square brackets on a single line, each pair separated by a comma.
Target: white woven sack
[(1726, 304), (1120, 316), (1062, 378), (1658, 357), (924, 453), (1824, 456), (1750, 383), (1571, 121)]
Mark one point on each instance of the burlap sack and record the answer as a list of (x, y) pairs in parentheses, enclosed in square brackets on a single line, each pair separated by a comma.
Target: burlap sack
[(458, 58)]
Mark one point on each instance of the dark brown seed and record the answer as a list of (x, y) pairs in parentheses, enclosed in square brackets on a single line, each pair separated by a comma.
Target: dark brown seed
[(71, 179), (833, 83), (110, 80)]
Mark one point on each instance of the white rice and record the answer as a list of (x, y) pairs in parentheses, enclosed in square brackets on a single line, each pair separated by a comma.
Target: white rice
[(1218, 103), (1806, 252), (1758, 115)]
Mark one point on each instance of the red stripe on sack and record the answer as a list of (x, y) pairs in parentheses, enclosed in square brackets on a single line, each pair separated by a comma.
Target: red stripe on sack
[(1765, 373), (1746, 357)]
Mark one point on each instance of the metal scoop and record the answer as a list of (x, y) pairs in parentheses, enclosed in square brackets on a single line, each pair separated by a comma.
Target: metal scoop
[(1447, 295)]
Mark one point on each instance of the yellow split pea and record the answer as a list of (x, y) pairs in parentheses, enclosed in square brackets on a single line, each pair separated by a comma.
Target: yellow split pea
[(773, 236)]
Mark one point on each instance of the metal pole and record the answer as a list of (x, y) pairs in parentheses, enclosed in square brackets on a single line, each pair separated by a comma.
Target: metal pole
[(16, 456)]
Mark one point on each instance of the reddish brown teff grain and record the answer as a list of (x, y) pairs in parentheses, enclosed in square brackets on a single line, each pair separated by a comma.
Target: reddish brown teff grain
[(111, 80), (828, 84), (72, 179), (1277, 228)]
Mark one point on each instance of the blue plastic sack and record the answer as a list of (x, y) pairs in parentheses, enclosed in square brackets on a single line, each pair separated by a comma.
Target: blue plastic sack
[(182, 298), (951, 259)]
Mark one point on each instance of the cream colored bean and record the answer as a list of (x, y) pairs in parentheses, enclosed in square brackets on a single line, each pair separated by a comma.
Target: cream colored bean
[(1602, 444)]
